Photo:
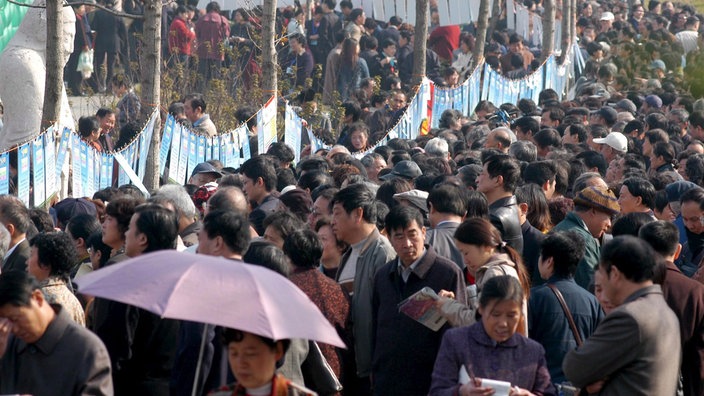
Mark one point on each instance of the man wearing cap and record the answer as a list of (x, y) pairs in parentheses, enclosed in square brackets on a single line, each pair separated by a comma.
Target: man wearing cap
[(204, 173), (650, 104), (591, 218), (614, 145), (605, 116), (499, 178), (606, 21), (658, 68), (626, 105), (407, 170)]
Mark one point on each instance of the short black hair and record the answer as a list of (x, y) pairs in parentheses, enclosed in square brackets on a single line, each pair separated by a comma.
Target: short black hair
[(122, 208), (87, 125), (633, 257), (13, 211), (539, 172), (260, 166), (197, 100), (357, 196), (527, 124), (159, 225), (234, 335), (506, 166), (95, 242), (282, 152), (630, 223), (303, 248), (285, 223), (41, 219), (16, 288), (401, 217), (56, 251), (83, 225), (448, 198), (662, 236), (314, 179), (593, 159), (265, 254), (579, 130), (232, 226), (566, 249), (640, 187)]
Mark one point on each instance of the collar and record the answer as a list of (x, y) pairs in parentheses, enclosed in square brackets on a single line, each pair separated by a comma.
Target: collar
[(505, 201), (413, 266), (421, 266), (447, 224), (52, 335), (573, 216), (653, 289), (12, 249), (556, 278), (202, 119)]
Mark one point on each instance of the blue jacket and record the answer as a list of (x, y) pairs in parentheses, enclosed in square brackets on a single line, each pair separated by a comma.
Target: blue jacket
[(548, 325)]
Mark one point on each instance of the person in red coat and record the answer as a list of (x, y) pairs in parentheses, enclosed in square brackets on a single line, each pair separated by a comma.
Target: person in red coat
[(444, 40), (181, 36)]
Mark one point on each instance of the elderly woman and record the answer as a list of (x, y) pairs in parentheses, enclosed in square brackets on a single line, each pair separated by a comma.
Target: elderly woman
[(253, 362), (50, 261), (492, 349)]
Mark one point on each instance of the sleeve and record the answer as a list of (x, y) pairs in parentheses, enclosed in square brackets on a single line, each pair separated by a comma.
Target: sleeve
[(364, 68), (98, 379), (543, 384), (445, 377), (457, 313), (614, 342)]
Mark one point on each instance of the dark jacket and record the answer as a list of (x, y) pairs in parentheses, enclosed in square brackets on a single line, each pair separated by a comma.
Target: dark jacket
[(18, 259), (532, 239), (548, 324), (686, 298), (326, 33), (404, 350), (258, 214), (442, 239), (503, 214)]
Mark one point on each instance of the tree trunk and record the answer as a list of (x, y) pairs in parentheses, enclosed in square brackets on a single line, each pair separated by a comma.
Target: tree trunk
[(566, 27), (482, 24), (269, 63), (421, 41), (548, 28), (573, 21), (151, 85), (495, 16), (51, 109)]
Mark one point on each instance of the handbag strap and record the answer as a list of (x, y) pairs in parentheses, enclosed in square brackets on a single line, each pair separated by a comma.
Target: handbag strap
[(555, 290)]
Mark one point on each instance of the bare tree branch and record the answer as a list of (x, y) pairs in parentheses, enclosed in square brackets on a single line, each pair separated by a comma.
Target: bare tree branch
[(88, 3)]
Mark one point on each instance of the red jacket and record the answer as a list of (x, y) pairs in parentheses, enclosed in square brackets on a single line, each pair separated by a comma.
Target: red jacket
[(211, 31), (180, 37), (444, 40)]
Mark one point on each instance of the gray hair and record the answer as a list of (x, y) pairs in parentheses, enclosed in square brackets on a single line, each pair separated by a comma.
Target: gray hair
[(178, 196), (582, 181), (368, 160), (437, 147), (4, 241), (523, 150)]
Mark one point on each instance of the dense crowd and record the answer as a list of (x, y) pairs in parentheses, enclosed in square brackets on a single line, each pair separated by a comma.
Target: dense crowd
[(557, 245)]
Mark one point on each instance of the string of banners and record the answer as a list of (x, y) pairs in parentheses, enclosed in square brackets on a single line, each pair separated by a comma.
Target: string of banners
[(41, 161), (182, 149)]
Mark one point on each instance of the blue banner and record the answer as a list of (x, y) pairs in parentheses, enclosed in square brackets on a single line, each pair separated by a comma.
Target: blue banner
[(106, 162), (201, 149), (39, 184), (166, 143), (64, 147), (208, 149), (50, 161), (175, 153), (23, 173), (5, 173), (85, 170), (192, 154), (244, 141), (93, 173), (183, 156)]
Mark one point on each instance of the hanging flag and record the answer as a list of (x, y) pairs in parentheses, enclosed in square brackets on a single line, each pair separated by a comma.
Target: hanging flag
[(106, 165), (175, 153), (183, 156), (266, 125), (64, 146), (85, 169), (201, 149), (5, 173), (166, 143), (39, 184), (192, 153), (23, 173), (50, 163)]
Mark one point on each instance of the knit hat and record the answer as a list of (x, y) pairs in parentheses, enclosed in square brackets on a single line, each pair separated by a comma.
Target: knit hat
[(598, 198)]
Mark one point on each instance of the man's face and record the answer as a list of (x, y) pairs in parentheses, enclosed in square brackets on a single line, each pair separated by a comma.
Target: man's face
[(628, 202), (360, 19), (614, 173), (135, 241), (452, 79), (545, 120), (342, 223), (569, 138), (398, 102), (273, 235), (408, 243), (192, 114), (200, 179), (320, 209), (107, 123), (373, 170), (607, 288), (692, 216), (515, 47), (251, 189), (486, 183), (295, 45), (597, 222), (491, 142), (25, 320)]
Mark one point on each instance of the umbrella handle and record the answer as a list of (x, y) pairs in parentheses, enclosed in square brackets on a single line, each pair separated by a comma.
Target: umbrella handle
[(200, 359)]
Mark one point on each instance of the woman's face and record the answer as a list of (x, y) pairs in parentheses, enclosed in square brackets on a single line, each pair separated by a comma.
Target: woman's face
[(111, 233), (474, 256), (500, 319), (327, 238), (599, 293), (252, 361), (627, 201), (358, 140)]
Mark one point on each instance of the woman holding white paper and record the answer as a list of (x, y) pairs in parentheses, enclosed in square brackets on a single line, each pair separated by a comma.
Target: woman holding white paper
[(497, 359)]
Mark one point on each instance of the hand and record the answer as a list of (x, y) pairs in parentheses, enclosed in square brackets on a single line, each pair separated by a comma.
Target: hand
[(516, 391), (5, 330), (474, 387), (306, 151), (446, 294), (595, 387)]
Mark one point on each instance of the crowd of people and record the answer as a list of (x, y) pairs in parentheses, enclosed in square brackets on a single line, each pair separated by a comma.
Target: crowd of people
[(562, 240)]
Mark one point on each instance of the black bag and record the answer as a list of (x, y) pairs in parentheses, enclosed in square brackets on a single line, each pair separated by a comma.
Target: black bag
[(318, 374)]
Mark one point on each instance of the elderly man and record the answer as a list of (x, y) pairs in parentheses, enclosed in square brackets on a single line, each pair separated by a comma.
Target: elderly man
[(499, 138), (42, 351), (614, 145)]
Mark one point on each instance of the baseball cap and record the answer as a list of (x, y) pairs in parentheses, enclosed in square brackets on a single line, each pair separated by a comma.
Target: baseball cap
[(405, 169), (608, 114), (607, 16), (616, 140), (205, 167), (67, 208), (626, 105), (658, 64), (653, 101)]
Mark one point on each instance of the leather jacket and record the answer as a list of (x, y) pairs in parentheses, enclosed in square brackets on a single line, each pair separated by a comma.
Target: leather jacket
[(503, 214)]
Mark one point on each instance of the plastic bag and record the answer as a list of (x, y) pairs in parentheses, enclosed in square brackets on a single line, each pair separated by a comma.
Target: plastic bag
[(85, 63)]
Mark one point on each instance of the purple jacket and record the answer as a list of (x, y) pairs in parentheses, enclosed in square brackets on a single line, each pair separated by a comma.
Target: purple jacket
[(520, 361), (211, 31)]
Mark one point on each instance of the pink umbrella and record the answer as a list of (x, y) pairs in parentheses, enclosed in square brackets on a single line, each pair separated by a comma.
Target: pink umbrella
[(213, 290)]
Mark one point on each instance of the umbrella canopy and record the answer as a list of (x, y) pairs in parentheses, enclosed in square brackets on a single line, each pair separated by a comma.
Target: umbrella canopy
[(213, 290)]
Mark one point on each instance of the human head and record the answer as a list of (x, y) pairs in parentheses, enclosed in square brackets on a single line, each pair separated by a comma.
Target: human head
[(224, 233), (265, 254), (352, 207), (595, 206), (404, 227), (560, 254), (194, 104), (477, 239), (151, 228), (14, 216), (227, 198), (692, 210), (297, 202), (89, 128), (52, 255), (81, 227), (259, 178), (663, 237), (500, 307), (500, 172), (252, 357), (23, 303), (279, 225), (107, 119), (359, 136), (303, 248), (446, 199), (625, 260), (637, 194), (117, 219), (630, 223), (180, 200)]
